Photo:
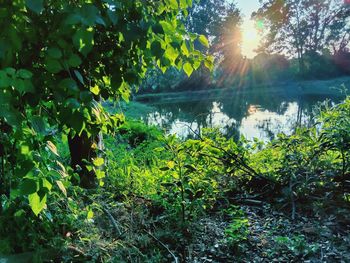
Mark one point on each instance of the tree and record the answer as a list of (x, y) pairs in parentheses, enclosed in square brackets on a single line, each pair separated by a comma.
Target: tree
[(299, 26), (60, 59), (219, 22), (228, 44)]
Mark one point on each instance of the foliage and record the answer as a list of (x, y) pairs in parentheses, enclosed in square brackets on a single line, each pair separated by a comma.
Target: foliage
[(216, 21), (58, 60), (298, 27), (237, 231), (311, 161), (178, 182), (188, 177), (297, 245)]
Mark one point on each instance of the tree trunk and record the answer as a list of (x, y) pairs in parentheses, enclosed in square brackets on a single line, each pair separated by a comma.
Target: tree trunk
[(301, 66), (82, 153)]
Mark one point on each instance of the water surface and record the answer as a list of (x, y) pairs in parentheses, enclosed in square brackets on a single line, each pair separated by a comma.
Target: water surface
[(259, 114)]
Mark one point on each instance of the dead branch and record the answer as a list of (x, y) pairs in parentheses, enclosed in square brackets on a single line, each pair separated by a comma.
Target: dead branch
[(163, 245)]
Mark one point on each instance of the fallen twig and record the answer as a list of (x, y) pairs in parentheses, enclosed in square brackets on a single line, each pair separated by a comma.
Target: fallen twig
[(165, 246), (250, 202), (113, 221), (77, 250)]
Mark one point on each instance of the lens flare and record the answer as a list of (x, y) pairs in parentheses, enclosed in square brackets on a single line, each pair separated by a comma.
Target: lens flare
[(250, 38)]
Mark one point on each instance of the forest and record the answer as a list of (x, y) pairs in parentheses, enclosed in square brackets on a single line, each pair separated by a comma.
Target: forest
[(174, 131)]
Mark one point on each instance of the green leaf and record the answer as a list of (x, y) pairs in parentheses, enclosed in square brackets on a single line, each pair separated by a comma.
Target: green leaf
[(95, 90), (38, 125), (167, 27), (36, 203), (124, 91), (184, 49), (196, 64), (10, 115), (209, 63), (90, 15), (25, 149), (157, 29), (61, 187), (5, 81), (173, 4), (171, 54), (14, 37), (188, 69), (112, 16), (83, 40), (35, 5), (24, 74), (73, 103), (86, 96), (69, 84), (28, 186), (23, 85), (183, 4), (74, 60), (156, 49), (73, 19), (52, 147), (54, 53), (46, 184), (100, 174), (171, 164), (204, 41), (79, 76), (10, 71), (90, 214), (52, 66), (3, 12), (98, 161), (77, 122)]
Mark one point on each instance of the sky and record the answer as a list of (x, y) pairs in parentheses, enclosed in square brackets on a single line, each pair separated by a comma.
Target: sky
[(250, 37), (247, 6)]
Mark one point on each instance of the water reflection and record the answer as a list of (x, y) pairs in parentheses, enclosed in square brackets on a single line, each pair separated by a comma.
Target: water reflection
[(250, 114)]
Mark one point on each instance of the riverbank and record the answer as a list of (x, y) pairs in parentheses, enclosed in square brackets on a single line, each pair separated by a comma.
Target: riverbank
[(334, 87)]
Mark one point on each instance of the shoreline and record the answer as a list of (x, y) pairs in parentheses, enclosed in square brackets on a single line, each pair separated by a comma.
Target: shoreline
[(310, 87)]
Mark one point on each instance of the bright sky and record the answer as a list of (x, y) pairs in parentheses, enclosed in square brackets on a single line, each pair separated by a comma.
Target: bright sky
[(247, 6), (250, 35)]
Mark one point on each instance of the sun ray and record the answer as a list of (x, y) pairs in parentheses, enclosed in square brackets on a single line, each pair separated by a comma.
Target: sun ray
[(250, 39)]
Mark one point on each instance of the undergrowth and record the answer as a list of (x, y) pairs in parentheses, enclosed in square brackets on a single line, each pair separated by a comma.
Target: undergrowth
[(157, 188)]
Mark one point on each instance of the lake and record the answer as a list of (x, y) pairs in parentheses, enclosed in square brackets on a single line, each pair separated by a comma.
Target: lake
[(254, 113)]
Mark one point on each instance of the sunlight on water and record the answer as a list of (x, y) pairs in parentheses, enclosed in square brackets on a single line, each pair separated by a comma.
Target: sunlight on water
[(259, 123), (263, 124), (261, 118)]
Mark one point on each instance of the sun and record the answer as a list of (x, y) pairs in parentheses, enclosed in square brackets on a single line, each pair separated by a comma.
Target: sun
[(250, 39)]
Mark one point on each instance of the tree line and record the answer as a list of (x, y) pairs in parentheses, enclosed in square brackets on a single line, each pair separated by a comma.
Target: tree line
[(301, 39)]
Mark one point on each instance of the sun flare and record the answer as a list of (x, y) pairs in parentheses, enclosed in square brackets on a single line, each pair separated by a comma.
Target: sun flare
[(250, 39)]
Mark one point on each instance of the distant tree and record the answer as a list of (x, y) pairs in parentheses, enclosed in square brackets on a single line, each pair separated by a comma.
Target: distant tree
[(299, 26), (219, 22), (206, 16), (269, 67), (228, 44), (342, 61)]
